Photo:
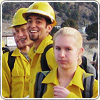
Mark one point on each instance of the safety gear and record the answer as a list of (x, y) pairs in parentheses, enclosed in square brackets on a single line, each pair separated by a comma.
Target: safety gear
[(18, 18), (18, 79), (42, 8)]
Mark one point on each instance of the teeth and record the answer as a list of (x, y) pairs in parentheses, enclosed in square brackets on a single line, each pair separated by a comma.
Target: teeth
[(33, 31), (22, 39)]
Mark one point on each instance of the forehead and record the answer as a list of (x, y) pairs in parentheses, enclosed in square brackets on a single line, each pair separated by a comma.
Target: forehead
[(64, 40), (31, 15), (20, 27)]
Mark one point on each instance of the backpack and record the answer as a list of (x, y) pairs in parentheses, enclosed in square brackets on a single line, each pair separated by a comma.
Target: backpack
[(40, 88)]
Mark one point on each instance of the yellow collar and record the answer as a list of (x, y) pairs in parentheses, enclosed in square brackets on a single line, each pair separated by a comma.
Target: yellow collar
[(77, 79)]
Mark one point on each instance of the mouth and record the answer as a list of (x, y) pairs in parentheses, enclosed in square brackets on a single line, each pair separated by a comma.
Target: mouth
[(22, 40), (62, 61), (33, 31)]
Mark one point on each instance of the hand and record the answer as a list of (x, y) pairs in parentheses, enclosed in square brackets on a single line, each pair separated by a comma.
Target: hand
[(60, 92)]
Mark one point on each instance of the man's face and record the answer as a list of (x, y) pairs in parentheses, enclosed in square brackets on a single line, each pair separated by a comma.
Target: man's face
[(21, 36), (37, 27)]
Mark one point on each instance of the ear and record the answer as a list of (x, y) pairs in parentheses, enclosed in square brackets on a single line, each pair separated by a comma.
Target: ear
[(49, 28), (81, 51)]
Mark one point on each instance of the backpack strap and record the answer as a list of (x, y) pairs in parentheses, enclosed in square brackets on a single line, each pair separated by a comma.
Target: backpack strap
[(84, 63), (44, 64), (11, 60), (5, 49), (40, 88), (88, 82), (88, 67)]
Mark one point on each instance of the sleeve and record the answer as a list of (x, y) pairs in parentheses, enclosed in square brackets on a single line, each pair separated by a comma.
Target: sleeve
[(6, 77), (51, 58), (72, 95), (95, 89)]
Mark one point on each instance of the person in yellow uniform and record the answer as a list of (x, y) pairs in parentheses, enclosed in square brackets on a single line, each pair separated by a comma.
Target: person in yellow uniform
[(15, 83), (65, 81), (40, 18)]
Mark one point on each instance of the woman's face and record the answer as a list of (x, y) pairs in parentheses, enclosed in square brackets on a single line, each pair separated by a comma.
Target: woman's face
[(66, 51)]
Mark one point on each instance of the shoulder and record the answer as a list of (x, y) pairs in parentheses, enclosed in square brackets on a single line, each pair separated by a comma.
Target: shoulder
[(5, 55), (95, 83), (95, 88)]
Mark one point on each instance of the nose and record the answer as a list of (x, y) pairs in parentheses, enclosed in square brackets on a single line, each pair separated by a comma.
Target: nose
[(20, 33), (62, 54), (32, 24)]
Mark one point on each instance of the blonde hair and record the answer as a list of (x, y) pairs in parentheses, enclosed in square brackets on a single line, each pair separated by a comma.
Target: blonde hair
[(71, 32)]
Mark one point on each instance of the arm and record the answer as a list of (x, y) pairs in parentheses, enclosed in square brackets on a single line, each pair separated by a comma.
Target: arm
[(6, 77)]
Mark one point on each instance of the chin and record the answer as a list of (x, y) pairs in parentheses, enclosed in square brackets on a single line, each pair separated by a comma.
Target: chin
[(63, 66), (21, 47)]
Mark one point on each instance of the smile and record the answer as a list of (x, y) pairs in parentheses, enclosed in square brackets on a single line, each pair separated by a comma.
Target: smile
[(33, 31)]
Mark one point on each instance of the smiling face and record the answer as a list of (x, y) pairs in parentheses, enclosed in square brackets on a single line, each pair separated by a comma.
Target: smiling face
[(21, 36), (66, 51), (37, 27)]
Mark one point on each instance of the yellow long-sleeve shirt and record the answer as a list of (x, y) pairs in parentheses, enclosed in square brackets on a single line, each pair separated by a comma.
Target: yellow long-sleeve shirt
[(75, 86), (35, 61), (15, 84)]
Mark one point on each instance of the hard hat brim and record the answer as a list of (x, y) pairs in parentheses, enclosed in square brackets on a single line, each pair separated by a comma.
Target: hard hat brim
[(12, 26)]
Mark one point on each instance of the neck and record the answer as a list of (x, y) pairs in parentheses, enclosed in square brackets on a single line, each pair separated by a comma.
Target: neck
[(38, 42), (25, 50), (65, 76)]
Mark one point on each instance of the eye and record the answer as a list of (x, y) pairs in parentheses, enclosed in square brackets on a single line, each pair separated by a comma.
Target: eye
[(24, 30), (68, 49), (38, 21), (29, 21), (14, 33), (57, 48)]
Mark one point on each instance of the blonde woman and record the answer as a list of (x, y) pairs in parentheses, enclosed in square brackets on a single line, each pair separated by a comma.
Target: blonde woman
[(65, 81)]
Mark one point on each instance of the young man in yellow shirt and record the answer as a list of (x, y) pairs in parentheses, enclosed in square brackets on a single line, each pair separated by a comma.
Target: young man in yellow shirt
[(15, 82), (40, 18)]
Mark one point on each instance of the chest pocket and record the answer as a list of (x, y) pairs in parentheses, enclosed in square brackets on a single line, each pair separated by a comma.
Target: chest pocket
[(21, 67)]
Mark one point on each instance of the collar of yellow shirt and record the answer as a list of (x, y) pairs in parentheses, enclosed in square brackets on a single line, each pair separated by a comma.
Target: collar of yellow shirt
[(77, 79)]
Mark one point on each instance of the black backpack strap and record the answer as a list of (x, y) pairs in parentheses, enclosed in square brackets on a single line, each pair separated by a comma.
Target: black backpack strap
[(84, 63), (44, 64), (40, 88), (5, 49), (11, 60), (88, 86)]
